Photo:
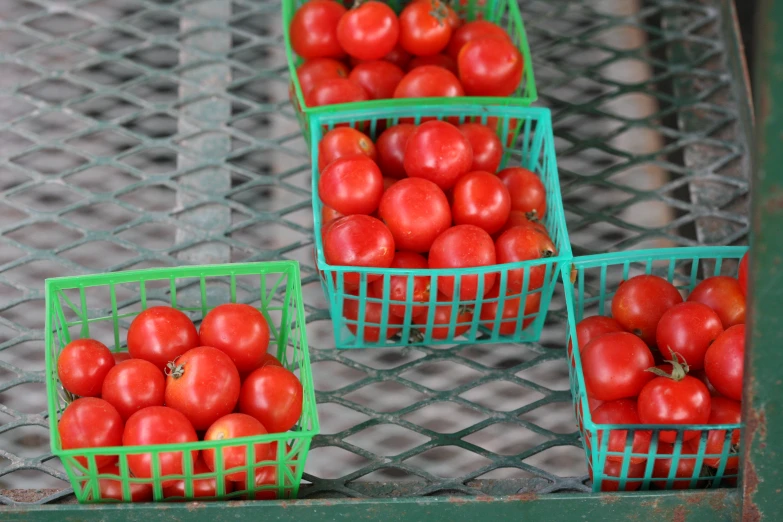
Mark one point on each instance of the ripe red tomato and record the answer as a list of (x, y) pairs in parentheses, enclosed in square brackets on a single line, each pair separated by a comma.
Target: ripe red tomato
[(614, 366), (424, 28), (615, 469), (328, 214), (203, 384), (91, 423), (112, 488), (508, 319), (317, 69), (724, 362), (378, 78), (490, 67), (640, 302), (475, 30), (463, 246), (517, 218), (688, 329), (372, 316), (621, 411), (391, 149), (398, 285), (161, 334), (442, 316), (234, 426), (724, 295), (723, 411), (524, 244), (273, 396), (528, 193), (437, 151), (429, 81), (335, 90), (313, 29), (685, 466), (742, 274), (351, 185), (368, 31), (82, 366), (486, 146), (342, 142), (591, 327), (132, 385), (238, 330), (480, 199), (204, 487), (416, 212), (358, 240), (441, 60)]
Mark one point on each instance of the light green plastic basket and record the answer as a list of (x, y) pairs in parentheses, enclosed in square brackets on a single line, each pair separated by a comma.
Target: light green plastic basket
[(590, 283), (102, 306), (529, 131)]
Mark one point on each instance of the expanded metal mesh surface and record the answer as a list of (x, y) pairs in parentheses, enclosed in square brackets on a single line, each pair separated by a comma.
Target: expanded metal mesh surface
[(141, 133)]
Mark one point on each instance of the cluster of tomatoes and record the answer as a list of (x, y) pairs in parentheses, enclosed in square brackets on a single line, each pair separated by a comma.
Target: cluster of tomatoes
[(177, 384), (430, 196), (368, 52), (701, 340)]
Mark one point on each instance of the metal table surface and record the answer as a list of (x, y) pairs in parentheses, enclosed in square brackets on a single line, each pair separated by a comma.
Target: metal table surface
[(137, 133)]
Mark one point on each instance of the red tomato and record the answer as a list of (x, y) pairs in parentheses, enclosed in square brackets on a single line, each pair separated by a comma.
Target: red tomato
[(391, 149), (121, 357), (475, 30), (508, 319), (398, 285), (517, 218), (328, 214), (528, 193), (373, 315), (158, 425), (266, 476), (351, 185), (688, 329), (416, 212), (358, 240), (273, 396), (238, 330), (742, 274), (378, 78), (724, 362), (205, 487), (161, 334), (234, 426), (397, 56), (621, 411), (480, 199), (614, 366), (486, 146), (723, 411), (640, 302), (429, 81), (344, 142), (442, 316), (424, 28), (270, 359), (437, 151), (335, 90), (368, 31), (463, 246), (91, 423), (203, 384), (524, 244), (490, 67), (82, 366), (112, 488), (313, 71), (724, 295), (313, 29), (132, 385), (591, 327), (441, 60), (685, 466), (615, 469)]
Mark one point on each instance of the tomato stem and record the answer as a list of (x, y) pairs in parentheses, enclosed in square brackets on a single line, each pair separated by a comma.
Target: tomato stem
[(679, 369), (174, 369), (439, 11)]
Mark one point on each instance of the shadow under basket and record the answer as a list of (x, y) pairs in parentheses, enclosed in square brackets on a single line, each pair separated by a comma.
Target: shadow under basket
[(102, 306), (589, 284)]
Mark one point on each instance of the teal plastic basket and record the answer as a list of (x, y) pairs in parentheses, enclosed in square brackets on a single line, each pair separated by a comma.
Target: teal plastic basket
[(590, 283), (529, 131), (502, 12)]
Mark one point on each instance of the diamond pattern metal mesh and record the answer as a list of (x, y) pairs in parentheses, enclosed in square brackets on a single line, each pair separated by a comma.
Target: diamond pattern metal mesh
[(141, 133)]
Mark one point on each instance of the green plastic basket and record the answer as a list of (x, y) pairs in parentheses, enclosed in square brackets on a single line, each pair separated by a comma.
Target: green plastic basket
[(590, 282), (103, 305), (529, 131), (503, 12)]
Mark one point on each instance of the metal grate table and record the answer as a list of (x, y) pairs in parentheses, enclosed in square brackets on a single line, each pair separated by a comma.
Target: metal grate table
[(138, 133)]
